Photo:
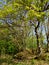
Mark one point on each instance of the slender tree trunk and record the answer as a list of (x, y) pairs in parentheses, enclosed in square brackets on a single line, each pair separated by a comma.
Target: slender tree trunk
[(48, 35), (48, 43), (37, 37)]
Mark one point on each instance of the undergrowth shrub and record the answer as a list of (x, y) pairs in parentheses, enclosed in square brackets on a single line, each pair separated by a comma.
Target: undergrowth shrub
[(8, 47)]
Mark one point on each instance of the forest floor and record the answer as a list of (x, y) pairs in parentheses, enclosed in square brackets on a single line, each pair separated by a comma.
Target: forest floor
[(24, 58)]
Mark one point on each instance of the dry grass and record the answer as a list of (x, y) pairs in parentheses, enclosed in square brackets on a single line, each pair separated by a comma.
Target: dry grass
[(24, 58)]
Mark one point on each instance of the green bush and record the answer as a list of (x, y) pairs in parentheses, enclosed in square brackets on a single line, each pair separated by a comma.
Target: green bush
[(11, 48), (2, 46), (8, 47)]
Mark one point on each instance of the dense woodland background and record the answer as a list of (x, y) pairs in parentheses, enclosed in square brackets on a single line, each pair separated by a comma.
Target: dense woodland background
[(24, 32)]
